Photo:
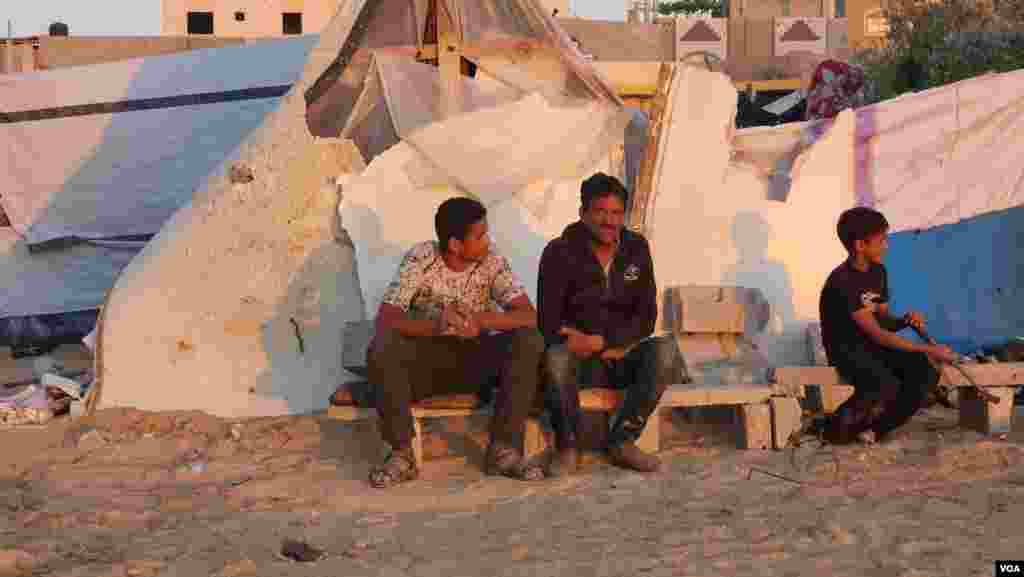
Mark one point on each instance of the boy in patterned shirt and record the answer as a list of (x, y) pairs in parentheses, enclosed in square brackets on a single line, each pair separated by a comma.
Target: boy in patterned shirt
[(454, 319)]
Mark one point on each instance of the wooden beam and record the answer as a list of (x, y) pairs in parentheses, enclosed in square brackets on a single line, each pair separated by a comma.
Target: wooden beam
[(644, 188), (983, 374)]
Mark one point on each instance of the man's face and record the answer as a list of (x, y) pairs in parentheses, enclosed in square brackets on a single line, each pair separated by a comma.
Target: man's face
[(475, 246), (874, 247), (604, 218)]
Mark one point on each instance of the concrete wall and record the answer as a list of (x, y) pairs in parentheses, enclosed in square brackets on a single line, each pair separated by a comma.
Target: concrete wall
[(621, 41), (262, 17), (750, 46), (773, 8), (62, 52), (856, 10)]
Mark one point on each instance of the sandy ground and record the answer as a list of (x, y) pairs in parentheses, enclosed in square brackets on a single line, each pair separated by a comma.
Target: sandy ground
[(120, 499)]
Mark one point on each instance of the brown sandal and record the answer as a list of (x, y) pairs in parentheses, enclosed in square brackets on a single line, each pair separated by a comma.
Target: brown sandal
[(399, 467), (507, 462)]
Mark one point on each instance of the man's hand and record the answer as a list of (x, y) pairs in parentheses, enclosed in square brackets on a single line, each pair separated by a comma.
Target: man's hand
[(942, 354), (580, 344), (455, 321), (613, 354), (915, 320)]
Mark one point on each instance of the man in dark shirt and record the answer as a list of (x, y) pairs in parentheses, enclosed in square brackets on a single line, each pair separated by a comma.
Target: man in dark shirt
[(891, 375), (597, 307)]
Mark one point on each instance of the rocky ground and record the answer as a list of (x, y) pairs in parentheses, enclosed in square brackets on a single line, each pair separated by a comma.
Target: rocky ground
[(142, 494)]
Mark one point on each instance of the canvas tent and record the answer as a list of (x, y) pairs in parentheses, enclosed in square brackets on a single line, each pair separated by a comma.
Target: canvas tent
[(237, 306), (95, 159)]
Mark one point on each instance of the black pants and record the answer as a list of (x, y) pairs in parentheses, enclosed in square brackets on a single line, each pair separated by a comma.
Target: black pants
[(645, 373), (890, 386), (404, 370)]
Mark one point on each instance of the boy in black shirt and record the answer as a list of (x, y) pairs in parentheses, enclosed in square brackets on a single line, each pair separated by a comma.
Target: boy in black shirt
[(891, 375)]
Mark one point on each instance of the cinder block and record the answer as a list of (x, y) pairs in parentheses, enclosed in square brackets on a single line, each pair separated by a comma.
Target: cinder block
[(754, 426), (987, 418)]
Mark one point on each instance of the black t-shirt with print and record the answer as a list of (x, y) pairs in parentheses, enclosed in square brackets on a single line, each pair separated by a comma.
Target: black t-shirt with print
[(846, 291)]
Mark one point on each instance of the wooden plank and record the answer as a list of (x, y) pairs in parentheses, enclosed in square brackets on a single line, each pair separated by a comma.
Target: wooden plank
[(682, 395), (804, 376), (985, 375), (645, 182), (754, 426), (776, 84), (594, 399), (834, 395), (978, 414), (785, 420)]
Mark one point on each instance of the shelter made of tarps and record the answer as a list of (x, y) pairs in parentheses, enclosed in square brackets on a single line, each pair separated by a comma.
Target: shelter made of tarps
[(94, 154), (758, 207), (246, 290), (924, 159)]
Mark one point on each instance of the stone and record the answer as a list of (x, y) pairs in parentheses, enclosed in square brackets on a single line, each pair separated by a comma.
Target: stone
[(240, 568), (144, 568), (15, 562), (987, 418), (91, 441), (839, 535)]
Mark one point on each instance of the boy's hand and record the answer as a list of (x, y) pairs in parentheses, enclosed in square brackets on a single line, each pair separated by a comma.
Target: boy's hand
[(943, 354), (580, 344), (915, 320), (613, 354)]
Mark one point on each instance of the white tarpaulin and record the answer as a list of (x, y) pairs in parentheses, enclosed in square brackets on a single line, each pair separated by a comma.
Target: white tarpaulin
[(143, 137), (112, 150), (924, 160), (383, 227), (711, 222)]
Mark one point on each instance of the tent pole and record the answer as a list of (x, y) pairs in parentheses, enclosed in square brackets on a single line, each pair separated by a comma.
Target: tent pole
[(449, 59)]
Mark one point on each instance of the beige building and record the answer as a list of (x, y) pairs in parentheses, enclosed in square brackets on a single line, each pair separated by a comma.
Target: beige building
[(260, 18)]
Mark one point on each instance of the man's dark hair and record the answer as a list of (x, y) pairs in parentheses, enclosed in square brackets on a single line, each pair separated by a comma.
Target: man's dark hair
[(454, 218), (860, 223), (601, 185)]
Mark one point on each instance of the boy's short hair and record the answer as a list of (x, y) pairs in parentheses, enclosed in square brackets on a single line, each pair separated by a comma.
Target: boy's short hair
[(601, 185), (454, 218), (860, 223)]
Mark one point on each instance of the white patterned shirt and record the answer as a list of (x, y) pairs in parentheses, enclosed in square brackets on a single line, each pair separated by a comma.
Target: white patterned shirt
[(424, 285)]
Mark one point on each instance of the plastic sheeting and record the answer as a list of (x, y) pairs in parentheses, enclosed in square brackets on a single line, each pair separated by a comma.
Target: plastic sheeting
[(111, 175), (384, 226), (515, 43), (924, 160), (711, 222)]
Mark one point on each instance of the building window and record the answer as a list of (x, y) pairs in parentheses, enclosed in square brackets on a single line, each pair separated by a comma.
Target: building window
[(200, 22), (840, 8), (291, 23), (239, 16)]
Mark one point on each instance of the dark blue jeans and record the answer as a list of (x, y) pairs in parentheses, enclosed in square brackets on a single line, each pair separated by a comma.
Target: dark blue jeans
[(644, 373), (889, 387)]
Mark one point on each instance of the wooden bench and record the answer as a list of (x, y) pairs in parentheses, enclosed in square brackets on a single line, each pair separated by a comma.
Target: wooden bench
[(758, 424), (999, 380), (765, 417)]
